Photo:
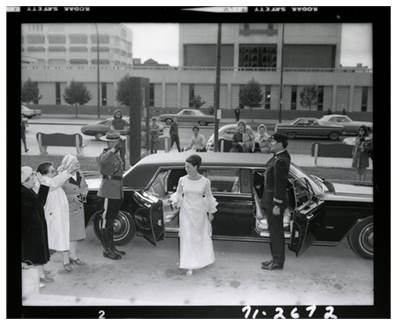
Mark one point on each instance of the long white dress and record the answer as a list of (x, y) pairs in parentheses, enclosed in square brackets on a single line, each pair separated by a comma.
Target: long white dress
[(56, 211), (194, 197)]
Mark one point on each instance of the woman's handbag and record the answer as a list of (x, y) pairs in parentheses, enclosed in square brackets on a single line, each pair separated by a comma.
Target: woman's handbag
[(30, 279)]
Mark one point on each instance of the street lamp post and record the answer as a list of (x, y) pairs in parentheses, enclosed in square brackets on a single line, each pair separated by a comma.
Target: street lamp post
[(281, 86), (98, 73), (217, 89)]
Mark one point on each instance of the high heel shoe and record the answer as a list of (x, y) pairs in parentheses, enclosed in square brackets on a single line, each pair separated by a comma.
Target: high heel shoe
[(77, 261), (189, 273)]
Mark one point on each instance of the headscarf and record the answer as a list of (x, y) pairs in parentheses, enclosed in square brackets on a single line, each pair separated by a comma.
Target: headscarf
[(115, 113), (241, 122), (265, 128), (66, 162), (26, 171)]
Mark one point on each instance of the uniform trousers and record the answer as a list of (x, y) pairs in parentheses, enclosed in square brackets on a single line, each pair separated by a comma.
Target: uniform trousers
[(275, 226), (175, 138), (110, 211)]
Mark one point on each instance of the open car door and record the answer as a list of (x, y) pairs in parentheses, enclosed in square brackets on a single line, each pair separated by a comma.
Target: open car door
[(307, 217), (149, 218)]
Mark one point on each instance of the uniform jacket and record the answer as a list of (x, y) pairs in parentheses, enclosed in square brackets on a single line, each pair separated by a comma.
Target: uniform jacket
[(110, 164), (276, 180), (34, 240), (154, 132), (74, 188)]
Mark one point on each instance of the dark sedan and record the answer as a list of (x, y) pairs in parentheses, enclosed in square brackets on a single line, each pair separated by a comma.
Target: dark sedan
[(99, 129), (189, 116), (309, 127), (319, 213), (350, 126)]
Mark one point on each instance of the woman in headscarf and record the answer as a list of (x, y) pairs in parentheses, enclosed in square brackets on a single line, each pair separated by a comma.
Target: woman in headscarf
[(56, 209), (75, 189), (262, 142), (34, 241)]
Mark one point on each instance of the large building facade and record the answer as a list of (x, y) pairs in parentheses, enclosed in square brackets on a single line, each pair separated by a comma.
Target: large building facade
[(291, 55)]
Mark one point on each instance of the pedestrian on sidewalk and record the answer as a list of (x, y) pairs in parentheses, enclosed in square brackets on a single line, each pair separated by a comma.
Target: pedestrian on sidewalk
[(154, 135), (111, 189), (121, 125), (274, 199), (237, 113), (75, 189), (57, 210), (197, 142), (34, 237), (197, 205), (24, 125), (360, 153), (174, 134)]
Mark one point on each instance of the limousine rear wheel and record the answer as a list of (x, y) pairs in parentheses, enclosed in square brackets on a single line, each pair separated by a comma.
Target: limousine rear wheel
[(361, 238), (124, 227)]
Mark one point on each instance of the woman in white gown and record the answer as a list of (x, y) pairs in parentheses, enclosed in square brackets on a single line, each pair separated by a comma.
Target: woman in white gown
[(194, 198)]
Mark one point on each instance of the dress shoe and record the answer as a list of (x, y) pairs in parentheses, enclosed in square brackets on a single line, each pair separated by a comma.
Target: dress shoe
[(77, 261), (46, 279), (267, 263), (273, 266), (68, 267)]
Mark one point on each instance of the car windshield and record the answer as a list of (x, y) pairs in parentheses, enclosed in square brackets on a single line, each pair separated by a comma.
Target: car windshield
[(317, 184)]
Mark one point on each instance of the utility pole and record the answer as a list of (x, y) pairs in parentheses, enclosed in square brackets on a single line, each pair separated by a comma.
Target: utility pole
[(217, 88), (281, 85), (98, 73)]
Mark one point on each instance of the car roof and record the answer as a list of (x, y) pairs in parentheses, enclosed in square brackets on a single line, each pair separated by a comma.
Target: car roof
[(335, 115)]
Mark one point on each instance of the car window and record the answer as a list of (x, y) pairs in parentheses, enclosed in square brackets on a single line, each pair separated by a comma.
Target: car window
[(301, 122), (223, 180), (187, 113)]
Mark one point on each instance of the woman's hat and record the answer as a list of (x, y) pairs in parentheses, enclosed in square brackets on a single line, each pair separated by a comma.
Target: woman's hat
[(66, 162), (112, 135), (26, 171)]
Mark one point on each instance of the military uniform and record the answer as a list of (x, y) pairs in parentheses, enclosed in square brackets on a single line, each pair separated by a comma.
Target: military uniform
[(276, 180), (111, 189)]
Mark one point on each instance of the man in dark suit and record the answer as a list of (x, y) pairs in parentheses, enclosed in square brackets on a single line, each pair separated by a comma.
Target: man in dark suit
[(274, 200)]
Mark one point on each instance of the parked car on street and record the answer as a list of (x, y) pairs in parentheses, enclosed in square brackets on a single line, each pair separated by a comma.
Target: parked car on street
[(29, 113), (188, 116), (226, 133), (350, 126), (309, 127), (99, 129), (319, 213)]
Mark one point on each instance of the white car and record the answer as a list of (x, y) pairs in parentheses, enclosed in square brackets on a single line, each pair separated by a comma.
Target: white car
[(29, 113), (225, 132), (350, 126)]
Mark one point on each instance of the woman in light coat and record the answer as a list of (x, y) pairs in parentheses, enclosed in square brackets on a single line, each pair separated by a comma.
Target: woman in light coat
[(76, 190), (56, 209)]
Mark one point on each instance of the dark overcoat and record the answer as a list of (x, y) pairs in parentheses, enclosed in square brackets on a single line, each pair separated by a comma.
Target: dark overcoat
[(35, 245)]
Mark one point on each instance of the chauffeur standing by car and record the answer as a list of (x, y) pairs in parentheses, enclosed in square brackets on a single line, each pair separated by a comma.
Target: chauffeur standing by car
[(111, 189), (274, 200)]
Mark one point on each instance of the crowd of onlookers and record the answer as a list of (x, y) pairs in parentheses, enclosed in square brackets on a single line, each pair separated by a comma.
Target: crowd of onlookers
[(52, 214)]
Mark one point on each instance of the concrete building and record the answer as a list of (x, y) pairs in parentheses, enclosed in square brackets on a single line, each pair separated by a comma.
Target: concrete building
[(308, 53)]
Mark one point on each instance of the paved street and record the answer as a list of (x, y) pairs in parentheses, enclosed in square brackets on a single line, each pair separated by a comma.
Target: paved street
[(149, 275)]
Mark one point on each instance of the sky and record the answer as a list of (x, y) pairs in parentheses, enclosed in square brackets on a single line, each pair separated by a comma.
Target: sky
[(160, 43)]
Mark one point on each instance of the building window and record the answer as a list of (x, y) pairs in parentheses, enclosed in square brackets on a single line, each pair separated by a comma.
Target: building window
[(293, 100), (58, 94), (320, 106), (267, 97), (191, 94), (263, 55), (57, 49), (35, 39), (151, 95), (123, 32), (103, 39), (78, 49), (101, 49), (36, 49), (78, 61), (364, 99), (56, 39), (94, 61), (104, 93), (78, 39)]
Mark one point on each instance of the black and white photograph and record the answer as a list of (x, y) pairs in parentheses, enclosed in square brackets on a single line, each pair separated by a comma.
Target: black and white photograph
[(200, 162)]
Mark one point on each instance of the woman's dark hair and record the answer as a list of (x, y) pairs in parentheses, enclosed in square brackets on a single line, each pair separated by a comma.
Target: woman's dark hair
[(195, 128), (43, 168), (363, 127), (195, 160)]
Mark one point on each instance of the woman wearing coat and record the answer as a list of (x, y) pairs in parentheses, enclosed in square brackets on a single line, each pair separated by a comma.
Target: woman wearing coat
[(35, 246), (75, 189), (360, 155), (263, 140), (154, 135), (56, 209)]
